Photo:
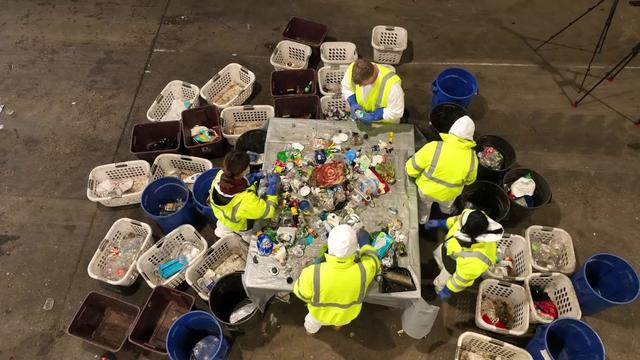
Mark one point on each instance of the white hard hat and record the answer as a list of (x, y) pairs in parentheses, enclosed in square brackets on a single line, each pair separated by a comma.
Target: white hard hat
[(342, 241), (463, 128)]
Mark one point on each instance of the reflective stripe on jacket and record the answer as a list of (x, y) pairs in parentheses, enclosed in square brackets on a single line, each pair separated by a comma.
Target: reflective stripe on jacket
[(334, 290), (471, 261), (243, 206), (443, 168), (379, 93)]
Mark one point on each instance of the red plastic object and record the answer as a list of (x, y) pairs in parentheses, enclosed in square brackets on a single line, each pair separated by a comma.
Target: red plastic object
[(305, 31)]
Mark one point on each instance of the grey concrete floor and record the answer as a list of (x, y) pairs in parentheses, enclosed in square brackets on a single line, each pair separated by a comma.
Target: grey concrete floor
[(79, 75)]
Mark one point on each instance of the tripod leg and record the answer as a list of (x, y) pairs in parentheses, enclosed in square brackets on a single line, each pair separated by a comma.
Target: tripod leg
[(600, 43), (569, 25), (614, 6)]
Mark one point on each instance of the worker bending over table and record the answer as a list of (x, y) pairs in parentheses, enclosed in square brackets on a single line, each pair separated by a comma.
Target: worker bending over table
[(374, 93)]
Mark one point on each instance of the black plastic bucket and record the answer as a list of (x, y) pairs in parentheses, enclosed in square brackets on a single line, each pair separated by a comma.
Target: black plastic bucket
[(541, 196), (507, 151), (252, 140), (486, 196), (444, 115), (224, 298)]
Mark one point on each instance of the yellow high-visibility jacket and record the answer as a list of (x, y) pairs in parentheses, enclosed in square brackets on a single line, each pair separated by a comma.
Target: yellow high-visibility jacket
[(379, 94), (243, 206), (443, 168), (334, 290), (472, 260)]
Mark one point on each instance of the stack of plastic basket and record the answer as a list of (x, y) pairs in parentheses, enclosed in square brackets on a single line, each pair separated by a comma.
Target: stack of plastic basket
[(166, 249), (231, 75), (488, 348), (174, 98), (129, 170), (237, 120), (560, 290), (518, 249), (290, 55), (173, 164), (120, 230), (562, 242), (215, 255), (338, 53), (389, 42), (514, 296)]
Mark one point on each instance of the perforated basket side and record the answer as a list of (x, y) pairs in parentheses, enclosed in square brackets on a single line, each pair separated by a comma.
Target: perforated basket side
[(514, 296), (567, 264), (167, 163), (330, 79), (338, 53), (232, 73), (560, 291), (290, 55), (487, 345), (118, 171), (174, 90), (390, 38), (516, 246), (251, 116)]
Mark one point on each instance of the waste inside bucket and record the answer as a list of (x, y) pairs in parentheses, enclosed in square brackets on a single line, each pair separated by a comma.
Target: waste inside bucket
[(169, 203), (202, 132), (293, 82), (444, 115), (488, 197), (189, 331), (604, 281), (495, 157), (227, 296), (201, 190), (151, 139), (455, 85), (566, 339), (541, 196)]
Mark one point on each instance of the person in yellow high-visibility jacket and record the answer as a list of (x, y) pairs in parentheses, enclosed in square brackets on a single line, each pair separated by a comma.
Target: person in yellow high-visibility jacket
[(374, 93), (234, 199), (335, 289), (443, 168), (469, 249)]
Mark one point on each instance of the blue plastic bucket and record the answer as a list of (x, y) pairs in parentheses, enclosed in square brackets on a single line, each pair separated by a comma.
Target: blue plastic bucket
[(201, 189), (566, 339), (603, 281), (169, 189), (190, 328), (454, 85)]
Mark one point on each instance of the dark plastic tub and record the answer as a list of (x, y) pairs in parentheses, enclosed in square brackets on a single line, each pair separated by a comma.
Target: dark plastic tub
[(103, 321), (252, 140), (163, 307), (541, 196), (204, 116), (488, 197), (145, 135), (227, 294), (305, 31), (293, 82), (444, 115), (507, 151), (298, 107)]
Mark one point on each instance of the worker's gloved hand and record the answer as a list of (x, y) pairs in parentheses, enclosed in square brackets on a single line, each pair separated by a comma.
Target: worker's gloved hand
[(320, 258), (434, 224), (375, 115), (273, 182), (445, 293), (253, 177), (353, 106), (364, 238)]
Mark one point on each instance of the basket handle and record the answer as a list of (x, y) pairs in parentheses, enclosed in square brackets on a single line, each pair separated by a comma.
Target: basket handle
[(103, 244), (198, 236), (186, 158), (186, 84), (547, 229), (248, 107), (389, 48), (215, 77), (121, 165), (135, 222), (504, 284), (90, 184), (434, 88), (390, 28), (497, 342), (244, 70), (545, 275), (506, 235), (159, 98), (153, 169)]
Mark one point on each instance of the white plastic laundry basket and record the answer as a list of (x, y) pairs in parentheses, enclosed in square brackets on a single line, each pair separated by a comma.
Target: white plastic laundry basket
[(187, 95), (172, 164), (489, 347), (561, 292), (237, 120), (330, 79), (338, 53), (546, 234), (223, 80), (518, 248), (121, 228), (337, 101), (388, 42), (215, 255), (290, 55), (515, 296), (163, 251), (134, 170)]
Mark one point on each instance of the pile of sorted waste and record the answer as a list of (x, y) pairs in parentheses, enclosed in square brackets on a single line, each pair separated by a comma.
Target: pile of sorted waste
[(548, 252), (504, 266), (203, 135), (122, 254), (491, 158), (336, 113), (229, 93), (546, 309), (521, 191), (118, 188), (496, 312)]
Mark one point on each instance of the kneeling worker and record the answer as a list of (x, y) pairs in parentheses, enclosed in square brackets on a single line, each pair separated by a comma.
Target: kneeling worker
[(374, 93), (335, 289)]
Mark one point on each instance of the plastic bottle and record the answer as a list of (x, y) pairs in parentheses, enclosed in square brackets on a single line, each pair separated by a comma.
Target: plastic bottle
[(264, 244)]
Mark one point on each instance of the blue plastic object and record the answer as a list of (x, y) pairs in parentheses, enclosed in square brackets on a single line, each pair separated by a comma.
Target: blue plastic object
[(454, 85), (264, 244), (445, 293), (566, 339), (364, 238), (435, 224), (201, 189), (189, 329), (603, 281), (165, 190), (172, 267)]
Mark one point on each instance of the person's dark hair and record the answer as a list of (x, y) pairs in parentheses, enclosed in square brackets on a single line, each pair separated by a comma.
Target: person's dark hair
[(362, 70), (234, 164), (476, 224)]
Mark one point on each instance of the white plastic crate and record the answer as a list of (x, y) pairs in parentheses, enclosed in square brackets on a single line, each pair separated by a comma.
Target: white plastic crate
[(162, 252), (290, 55), (118, 231), (561, 292), (215, 255), (163, 107), (567, 264), (488, 346), (388, 42), (333, 101), (515, 296), (223, 80), (330, 79), (338, 53), (173, 164), (135, 169), (244, 118), (518, 248)]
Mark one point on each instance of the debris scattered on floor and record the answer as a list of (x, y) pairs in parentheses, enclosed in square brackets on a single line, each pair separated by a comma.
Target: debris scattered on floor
[(491, 158), (521, 191), (123, 253), (545, 307), (229, 93), (336, 113), (48, 304), (496, 312), (202, 135)]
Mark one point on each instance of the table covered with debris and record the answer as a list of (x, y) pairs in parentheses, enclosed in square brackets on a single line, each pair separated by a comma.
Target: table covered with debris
[(266, 276)]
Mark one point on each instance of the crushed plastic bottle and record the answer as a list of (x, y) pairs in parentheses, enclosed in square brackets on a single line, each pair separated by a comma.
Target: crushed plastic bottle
[(206, 348), (491, 158)]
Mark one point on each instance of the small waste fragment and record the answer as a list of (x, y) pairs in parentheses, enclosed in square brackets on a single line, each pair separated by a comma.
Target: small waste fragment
[(352, 334), (491, 158), (1, 126), (206, 348), (10, 112), (273, 320), (545, 308), (170, 207), (400, 332), (1, 108), (242, 311), (202, 135), (172, 267), (162, 144), (230, 92), (496, 312), (504, 266), (121, 255), (48, 304)]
